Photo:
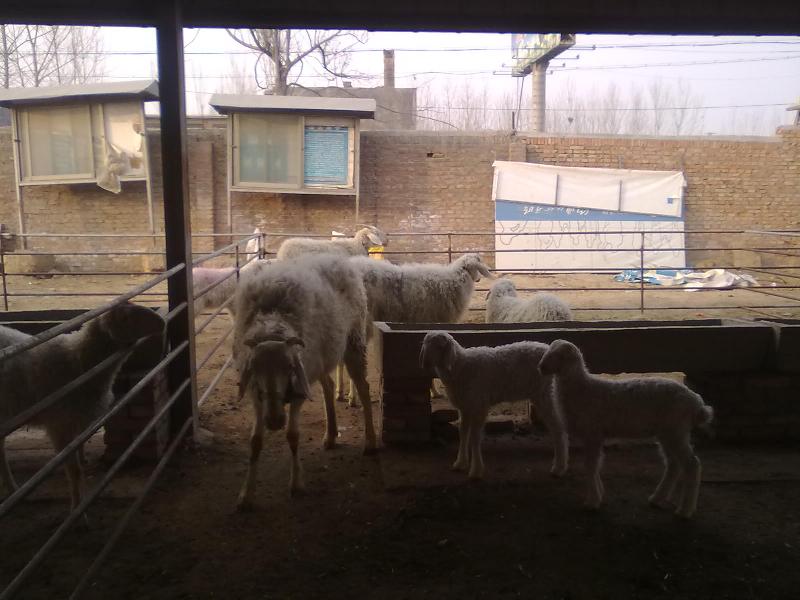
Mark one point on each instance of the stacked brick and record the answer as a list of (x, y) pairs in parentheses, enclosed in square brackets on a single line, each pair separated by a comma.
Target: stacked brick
[(406, 410), (129, 422)]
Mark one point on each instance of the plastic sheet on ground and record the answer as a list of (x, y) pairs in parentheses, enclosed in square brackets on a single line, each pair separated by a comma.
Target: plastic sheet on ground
[(690, 280)]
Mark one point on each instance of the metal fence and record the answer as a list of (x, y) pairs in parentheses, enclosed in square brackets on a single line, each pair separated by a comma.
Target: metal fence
[(780, 266), (179, 429)]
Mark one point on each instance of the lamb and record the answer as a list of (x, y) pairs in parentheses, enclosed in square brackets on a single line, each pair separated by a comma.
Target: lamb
[(358, 245), (295, 321), (27, 378), (478, 378), (503, 306), (595, 408)]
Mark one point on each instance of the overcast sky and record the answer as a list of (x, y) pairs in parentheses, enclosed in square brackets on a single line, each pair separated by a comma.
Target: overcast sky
[(747, 82)]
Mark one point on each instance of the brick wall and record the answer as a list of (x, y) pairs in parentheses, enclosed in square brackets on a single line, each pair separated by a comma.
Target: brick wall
[(424, 182)]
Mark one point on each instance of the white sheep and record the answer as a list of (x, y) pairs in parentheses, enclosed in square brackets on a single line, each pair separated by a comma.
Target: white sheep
[(27, 378), (295, 321), (358, 245), (478, 378), (595, 408), (202, 277), (419, 292), (504, 306)]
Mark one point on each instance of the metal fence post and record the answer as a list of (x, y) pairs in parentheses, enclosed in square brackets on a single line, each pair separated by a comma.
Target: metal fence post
[(3, 271), (641, 273), (449, 247), (177, 223)]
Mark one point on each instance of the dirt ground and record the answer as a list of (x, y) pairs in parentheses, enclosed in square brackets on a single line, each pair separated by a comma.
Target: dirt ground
[(402, 525)]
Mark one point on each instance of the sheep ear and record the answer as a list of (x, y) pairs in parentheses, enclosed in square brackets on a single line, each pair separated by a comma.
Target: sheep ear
[(449, 357), (484, 270), (300, 385), (375, 239)]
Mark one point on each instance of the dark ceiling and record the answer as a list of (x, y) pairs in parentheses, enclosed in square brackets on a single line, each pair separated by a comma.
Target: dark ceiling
[(601, 16)]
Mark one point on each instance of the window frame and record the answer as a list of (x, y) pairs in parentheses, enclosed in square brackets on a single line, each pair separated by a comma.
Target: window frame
[(21, 132), (234, 161)]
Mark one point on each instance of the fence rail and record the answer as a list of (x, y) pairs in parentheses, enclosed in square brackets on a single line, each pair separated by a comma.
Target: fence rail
[(177, 391)]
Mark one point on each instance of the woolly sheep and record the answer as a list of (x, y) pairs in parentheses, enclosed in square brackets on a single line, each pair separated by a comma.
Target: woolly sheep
[(595, 408), (478, 378), (504, 306), (358, 245), (202, 277), (420, 292), (27, 378), (295, 321)]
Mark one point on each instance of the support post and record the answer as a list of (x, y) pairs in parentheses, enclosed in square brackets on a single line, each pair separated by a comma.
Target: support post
[(177, 224), (539, 96), (641, 273)]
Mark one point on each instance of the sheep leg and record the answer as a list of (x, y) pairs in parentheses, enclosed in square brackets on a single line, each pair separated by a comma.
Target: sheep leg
[(256, 442), (355, 360), (8, 477), (594, 485), (462, 460), (555, 425), (331, 430), (296, 483), (672, 470), (352, 402), (340, 383), (692, 473), (476, 467)]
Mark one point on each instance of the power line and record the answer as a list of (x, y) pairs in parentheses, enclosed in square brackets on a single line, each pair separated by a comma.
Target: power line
[(607, 109), (674, 64)]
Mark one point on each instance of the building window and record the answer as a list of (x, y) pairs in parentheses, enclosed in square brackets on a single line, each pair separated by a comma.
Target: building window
[(293, 153), (57, 143), (78, 143)]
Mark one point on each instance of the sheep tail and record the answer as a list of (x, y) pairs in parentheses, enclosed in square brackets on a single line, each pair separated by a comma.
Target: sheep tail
[(703, 416)]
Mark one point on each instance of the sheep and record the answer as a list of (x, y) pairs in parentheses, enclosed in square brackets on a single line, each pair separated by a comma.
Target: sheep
[(358, 245), (295, 321), (595, 408), (27, 378), (202, 277), (478, 378), (419, 292), (503, 306)]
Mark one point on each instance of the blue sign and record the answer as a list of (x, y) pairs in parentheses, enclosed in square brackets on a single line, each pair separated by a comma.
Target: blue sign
[(326, 155), (508, 210)]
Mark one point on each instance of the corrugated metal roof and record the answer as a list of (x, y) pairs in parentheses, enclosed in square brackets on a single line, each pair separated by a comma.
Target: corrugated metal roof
[(57, 94), (363, 108)]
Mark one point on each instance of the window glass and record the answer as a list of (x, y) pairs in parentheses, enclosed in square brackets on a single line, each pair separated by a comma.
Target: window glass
[(269, 149), (60, 141)]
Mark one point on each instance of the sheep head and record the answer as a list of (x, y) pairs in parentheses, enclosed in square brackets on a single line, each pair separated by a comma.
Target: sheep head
[(438, 351), (473, 264), (276, 373), (370, 235), (502, 287), (128, 322), (561, 356)]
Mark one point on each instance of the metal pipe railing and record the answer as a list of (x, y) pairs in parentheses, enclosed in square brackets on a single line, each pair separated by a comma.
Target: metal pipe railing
[(55, 462), (87, 316)]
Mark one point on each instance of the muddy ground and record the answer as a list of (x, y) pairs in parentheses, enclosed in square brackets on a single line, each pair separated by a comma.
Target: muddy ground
[(401, 525)]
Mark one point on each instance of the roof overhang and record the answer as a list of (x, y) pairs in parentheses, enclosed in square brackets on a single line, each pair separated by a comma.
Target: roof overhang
[(72, 94), (359, 108)]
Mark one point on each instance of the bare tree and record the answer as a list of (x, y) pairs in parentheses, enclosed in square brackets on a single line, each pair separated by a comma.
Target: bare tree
[(35, 55), (284, 53)]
